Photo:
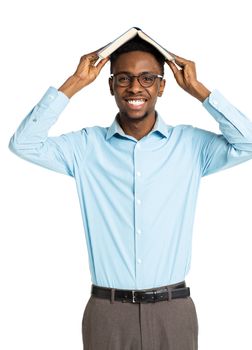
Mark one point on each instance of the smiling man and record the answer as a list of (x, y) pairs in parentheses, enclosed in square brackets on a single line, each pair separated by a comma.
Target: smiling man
[(138, 182), (136, 82)]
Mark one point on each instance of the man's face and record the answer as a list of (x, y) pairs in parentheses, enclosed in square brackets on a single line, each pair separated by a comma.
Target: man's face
[(134, 63)]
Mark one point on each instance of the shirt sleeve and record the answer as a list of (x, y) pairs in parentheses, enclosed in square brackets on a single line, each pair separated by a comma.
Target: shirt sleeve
[(31, 141), (234, 145)]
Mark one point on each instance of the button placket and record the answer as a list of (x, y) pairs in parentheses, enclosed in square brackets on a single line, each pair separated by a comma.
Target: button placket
[(138, 211)]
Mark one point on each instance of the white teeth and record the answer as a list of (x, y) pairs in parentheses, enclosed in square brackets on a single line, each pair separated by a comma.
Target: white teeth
[(136, 102)]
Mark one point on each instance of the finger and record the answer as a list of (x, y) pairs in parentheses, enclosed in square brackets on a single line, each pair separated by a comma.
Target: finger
[(177, 72), (180, 61), (93, 60), (91, 56), (102, 63), (173, 66), (179, 58)]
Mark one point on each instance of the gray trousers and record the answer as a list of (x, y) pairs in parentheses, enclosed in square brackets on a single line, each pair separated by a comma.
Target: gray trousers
[(163, 325)]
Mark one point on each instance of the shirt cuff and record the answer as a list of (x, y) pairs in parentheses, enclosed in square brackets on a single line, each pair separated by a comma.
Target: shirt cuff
[(54, 99), (215, 100)]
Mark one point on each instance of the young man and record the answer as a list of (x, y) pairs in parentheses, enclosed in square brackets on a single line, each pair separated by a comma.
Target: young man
[(137, 182)]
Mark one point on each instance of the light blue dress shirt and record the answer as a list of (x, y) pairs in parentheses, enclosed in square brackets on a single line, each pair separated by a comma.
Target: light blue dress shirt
[(137, 197)]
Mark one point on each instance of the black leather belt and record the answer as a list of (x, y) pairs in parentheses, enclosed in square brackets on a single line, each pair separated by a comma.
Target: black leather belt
[(142, 296)]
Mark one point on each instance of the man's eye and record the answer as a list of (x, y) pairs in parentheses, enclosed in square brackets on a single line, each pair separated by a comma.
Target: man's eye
[(123, 78), (147, 78)]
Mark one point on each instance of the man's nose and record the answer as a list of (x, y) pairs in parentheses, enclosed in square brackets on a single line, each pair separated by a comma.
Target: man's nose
[(135, 86)]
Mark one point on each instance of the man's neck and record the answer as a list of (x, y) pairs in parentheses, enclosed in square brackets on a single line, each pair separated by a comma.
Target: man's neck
[(137, 128)]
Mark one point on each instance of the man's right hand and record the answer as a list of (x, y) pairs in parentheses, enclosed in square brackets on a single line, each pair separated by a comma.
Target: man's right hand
[(85, 74)]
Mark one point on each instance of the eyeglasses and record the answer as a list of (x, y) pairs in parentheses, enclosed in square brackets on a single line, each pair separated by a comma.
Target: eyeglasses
[(144, 79)]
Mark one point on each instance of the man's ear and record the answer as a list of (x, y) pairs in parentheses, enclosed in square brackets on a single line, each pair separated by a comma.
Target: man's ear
[(161, 88), (111, 86)]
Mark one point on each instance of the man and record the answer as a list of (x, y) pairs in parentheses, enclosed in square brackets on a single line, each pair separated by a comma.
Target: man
[(137, 182)]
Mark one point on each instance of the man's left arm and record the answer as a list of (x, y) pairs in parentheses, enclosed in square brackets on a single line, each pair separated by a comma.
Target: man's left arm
[(234, 146)]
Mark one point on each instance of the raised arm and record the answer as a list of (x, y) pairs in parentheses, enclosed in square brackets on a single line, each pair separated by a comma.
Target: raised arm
[(218, 151), (186, 78), (31, 141), (85, 74)]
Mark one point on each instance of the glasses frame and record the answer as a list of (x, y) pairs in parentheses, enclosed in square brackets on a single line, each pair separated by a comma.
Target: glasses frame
[(131, 76)]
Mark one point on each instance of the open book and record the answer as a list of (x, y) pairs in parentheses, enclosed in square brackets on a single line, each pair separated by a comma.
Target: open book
[(131, 33)]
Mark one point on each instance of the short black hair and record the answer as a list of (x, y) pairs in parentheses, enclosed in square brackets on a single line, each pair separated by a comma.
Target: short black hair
[(137, 44)]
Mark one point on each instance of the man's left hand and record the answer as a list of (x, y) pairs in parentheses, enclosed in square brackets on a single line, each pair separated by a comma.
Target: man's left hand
[(186, 77)]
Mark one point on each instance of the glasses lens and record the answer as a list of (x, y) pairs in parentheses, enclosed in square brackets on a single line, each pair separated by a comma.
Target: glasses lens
[(122, 79), (147, 79)]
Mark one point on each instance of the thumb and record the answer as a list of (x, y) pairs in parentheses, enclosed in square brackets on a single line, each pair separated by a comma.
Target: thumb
[(173, 67), (178, 73)]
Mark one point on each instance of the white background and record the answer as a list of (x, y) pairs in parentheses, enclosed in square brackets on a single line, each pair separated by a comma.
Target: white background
[(45, 281)]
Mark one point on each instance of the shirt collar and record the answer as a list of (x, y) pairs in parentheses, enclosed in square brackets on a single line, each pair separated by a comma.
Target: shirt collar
[(159, 126)]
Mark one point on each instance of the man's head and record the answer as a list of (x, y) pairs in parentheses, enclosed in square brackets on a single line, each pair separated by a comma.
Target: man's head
[(136, 95), (137, 44)]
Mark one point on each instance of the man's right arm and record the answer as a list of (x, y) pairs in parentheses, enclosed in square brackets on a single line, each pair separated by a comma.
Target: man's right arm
[(31, 141)]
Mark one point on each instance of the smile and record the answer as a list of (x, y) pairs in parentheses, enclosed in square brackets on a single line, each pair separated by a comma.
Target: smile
[(136, 102)]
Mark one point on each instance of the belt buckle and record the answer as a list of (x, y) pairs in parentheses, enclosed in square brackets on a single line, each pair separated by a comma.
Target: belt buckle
[(133, 296)]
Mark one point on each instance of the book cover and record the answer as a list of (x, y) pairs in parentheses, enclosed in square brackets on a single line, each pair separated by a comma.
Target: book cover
[(129, 34)]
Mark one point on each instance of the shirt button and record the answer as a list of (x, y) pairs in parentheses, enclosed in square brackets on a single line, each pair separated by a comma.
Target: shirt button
[(138, 145), (138, 173), (139, 231), (51, 97), (139, 261), (34, 120), (139, 201), (215, 102)]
